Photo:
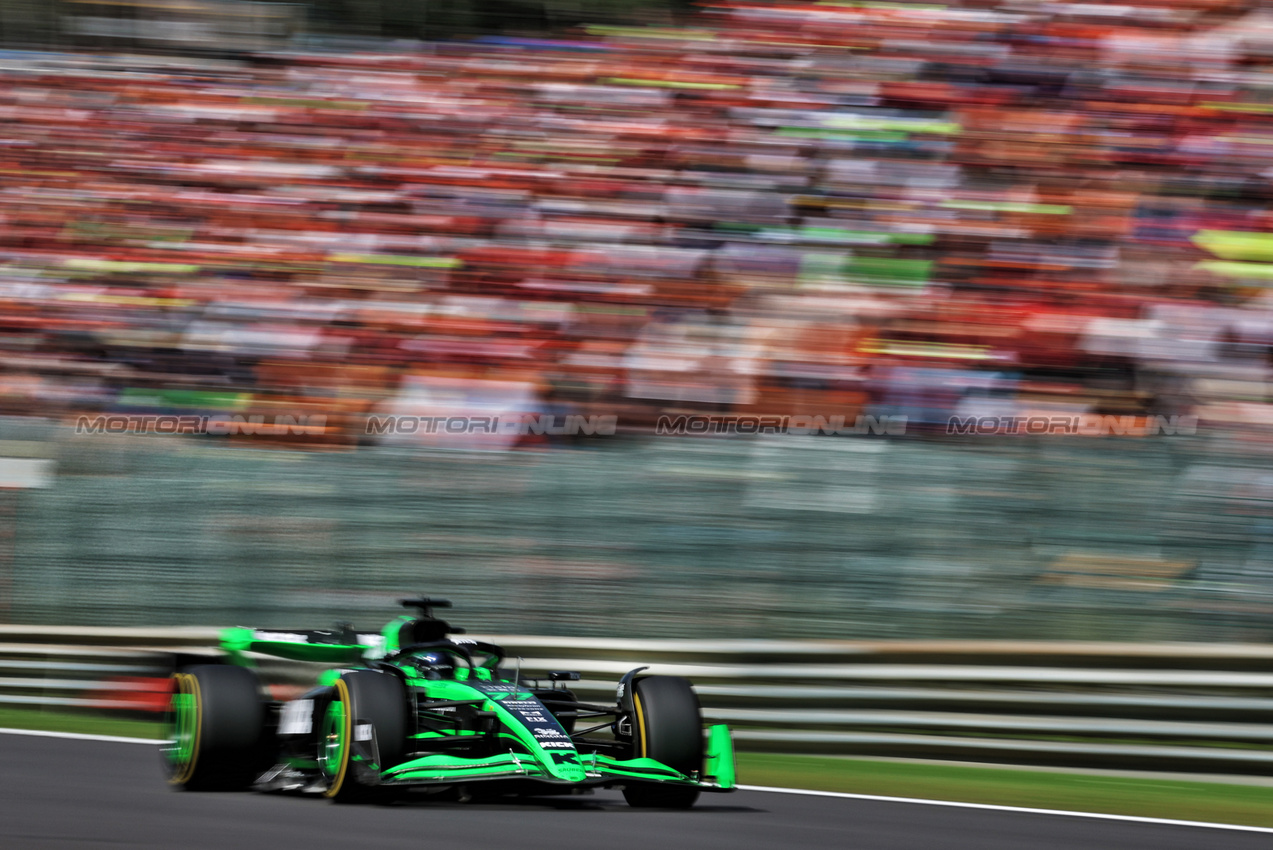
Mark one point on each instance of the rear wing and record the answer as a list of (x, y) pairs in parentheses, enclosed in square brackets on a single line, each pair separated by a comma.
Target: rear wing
[(334, 646)]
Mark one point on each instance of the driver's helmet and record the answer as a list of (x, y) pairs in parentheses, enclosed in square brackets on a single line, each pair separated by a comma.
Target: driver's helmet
[(434, 664)]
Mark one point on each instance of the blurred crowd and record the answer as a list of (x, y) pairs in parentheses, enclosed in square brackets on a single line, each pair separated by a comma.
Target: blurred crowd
[(837, 208)]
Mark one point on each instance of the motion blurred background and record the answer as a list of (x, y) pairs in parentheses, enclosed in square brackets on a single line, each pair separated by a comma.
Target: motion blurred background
[(993, 208)]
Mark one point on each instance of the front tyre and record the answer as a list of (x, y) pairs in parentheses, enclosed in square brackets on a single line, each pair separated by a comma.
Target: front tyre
[(217, 740), (667, 726), (364, 732)]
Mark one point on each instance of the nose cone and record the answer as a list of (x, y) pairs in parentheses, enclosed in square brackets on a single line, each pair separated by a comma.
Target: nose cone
[(566, 766)]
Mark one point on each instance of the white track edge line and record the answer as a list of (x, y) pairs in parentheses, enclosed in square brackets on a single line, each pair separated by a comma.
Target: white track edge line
[(1019, 809), (79, 736)]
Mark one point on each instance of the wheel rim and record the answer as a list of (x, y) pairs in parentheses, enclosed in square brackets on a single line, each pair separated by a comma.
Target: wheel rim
[(333, 738), (334, 754), (182, 744)]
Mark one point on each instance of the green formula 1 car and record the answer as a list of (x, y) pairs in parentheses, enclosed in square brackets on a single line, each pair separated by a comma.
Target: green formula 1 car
[(413, 705)]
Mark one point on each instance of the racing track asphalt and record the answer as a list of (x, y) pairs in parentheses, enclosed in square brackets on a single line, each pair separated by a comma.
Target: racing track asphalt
[(58, 793)]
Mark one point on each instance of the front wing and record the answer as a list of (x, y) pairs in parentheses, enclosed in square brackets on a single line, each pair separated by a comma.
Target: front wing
[(598, 770)]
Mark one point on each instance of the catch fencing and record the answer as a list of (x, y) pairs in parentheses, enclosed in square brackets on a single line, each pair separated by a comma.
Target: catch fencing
[(864, 538), (1188, 707)]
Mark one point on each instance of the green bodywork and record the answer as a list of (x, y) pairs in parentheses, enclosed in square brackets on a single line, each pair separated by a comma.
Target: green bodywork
[(586, 768), (240, 641), (536, 746)]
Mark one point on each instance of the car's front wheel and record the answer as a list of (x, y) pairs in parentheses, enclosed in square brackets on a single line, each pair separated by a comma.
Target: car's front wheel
[(363, 732), (667, 726)]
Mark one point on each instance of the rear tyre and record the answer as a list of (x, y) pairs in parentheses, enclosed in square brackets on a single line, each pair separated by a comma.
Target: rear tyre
[(217, 736), (376, 702), (667, 726)]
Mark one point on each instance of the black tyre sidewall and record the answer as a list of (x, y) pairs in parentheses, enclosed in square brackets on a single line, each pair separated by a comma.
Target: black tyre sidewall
[(669, 729), (379, 699)]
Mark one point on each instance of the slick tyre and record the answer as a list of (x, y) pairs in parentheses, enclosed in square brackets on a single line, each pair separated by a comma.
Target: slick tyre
[(364, 732), (217, 738), (667, 726)]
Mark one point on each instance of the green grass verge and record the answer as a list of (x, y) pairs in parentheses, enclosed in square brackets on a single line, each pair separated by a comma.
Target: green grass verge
[(88, 723), (1251, 805)]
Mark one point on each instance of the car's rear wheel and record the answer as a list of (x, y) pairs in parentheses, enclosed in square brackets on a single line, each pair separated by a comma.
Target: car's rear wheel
[(369, 708), (667, 726), (217, 738)]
